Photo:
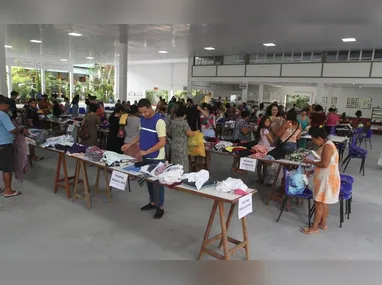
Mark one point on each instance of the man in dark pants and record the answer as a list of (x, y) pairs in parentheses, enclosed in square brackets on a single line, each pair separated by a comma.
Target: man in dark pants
[(12, 102), (7, 135), (152, 140)]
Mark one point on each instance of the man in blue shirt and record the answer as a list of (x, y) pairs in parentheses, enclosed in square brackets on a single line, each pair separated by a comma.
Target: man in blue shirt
[(7, 135)]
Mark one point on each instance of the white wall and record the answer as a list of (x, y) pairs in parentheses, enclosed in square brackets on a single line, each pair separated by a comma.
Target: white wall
[(343, 93), (165, 76)]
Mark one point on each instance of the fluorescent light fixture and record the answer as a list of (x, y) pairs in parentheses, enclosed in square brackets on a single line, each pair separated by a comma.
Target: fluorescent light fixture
[(269, 45), (8, 46), (36, 41), (209, 48), (162, 51), (63, 59), (75, 34), (90, 57), (348, 40)]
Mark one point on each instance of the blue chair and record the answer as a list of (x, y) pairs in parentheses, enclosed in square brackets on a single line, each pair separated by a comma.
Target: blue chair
[(346, 194), (107, 108), (355, 152), (366, 138), (333, 131), (307, 194), (82, 111)]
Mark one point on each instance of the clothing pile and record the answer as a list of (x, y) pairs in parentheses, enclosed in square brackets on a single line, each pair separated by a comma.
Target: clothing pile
[(260, 151), (230, 185), (200, 178), (222, 145), (64, 140), (298, 155), (94, 153), (171, 175), (77, 148), (112, 158)]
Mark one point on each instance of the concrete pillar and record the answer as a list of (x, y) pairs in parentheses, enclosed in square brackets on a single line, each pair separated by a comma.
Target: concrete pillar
[(261, 93), (123, 62), (3, 74), (9, 71), (71, 84), (43, 86), (189, 78), (244, 93)]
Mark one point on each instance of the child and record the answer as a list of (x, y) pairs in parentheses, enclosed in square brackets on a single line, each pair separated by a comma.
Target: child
[(265, 142)]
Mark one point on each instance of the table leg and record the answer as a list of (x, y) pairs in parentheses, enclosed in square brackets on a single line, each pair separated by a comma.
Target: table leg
[(108, 190), (86, 184), (76, 180), (245, 235), (96, 185), (58, 171), (208, 229), (231, 210), (273, 191), (66, 177), (224, 231), (208, 160)]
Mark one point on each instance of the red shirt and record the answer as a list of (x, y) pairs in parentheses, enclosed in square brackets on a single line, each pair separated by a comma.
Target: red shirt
[(317, 119)]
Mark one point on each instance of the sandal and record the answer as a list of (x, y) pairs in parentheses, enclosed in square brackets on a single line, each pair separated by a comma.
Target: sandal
[(309, 231), (17, 193), (324, 228)]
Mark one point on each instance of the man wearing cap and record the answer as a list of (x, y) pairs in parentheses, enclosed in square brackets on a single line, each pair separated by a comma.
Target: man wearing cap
[(7, 135)]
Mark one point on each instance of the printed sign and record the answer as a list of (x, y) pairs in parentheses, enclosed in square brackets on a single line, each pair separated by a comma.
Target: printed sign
[(118, 180), (245, 206), (247, 163)]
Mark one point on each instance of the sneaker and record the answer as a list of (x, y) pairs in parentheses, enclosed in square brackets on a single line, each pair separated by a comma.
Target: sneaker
[(148, 207), (159, 213)]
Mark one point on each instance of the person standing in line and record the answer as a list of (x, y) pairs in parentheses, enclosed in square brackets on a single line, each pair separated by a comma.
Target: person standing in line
[(207, 120), (7, 136), (191, 113), (303, 119), (13, 107), (152, 141), (114, 142), (132, 131), (242, 130), (92, 121)]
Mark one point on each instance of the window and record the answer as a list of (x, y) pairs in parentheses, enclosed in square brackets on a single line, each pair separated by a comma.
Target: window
[(343, 55), (278, 57), (287, 57), (269, 57), (317, 57), (378, 54), (234, 59), (218, 60), (257, 58), (358, 103), (197, 61), (331, 56), (354, 55), (307, 56), (367, 55), (297, 56)]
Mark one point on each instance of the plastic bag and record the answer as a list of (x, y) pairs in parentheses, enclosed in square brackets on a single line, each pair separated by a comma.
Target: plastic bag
[(296, 182), (196, 145)]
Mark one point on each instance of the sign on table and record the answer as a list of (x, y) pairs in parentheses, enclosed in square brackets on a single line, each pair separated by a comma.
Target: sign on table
[(247, 163), (245, 206), (118, 180)]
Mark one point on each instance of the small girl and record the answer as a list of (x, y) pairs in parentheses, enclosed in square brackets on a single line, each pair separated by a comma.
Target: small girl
[(265, 142)]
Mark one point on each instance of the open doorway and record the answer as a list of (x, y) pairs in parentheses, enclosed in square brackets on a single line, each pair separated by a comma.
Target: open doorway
[(300, 100)]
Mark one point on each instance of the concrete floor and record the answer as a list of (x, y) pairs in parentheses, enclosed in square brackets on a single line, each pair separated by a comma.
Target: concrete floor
[(40, 225)]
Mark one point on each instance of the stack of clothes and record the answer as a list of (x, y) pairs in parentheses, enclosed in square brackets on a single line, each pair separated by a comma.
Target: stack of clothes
[(298, 155)]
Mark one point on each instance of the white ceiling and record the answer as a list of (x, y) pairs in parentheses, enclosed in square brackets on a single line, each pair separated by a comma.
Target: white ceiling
[(237, 27)]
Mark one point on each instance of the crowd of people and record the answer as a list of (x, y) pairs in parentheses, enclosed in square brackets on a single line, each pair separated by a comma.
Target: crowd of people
[(149, 134)]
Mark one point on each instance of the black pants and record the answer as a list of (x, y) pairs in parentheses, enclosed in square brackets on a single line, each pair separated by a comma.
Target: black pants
[(7, 160)]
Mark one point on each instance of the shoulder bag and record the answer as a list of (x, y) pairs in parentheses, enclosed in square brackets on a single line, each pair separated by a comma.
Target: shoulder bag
[(279, 152)]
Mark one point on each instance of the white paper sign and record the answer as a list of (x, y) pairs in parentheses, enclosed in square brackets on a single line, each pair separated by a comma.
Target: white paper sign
[(118, 180), (245, 206), (247, 163), (70, 129)]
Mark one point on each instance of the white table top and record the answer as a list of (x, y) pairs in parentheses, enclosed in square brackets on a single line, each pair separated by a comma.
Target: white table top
[(336, 139)]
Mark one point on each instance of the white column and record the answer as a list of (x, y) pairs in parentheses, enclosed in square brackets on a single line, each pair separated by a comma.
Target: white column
[(43, 87), (9, 71), (71, 84), (244, 93), (123, 62), (189, 78), (261, 93), (3, 74)]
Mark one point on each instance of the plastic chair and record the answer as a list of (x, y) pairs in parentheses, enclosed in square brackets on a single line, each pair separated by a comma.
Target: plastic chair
[(346, 194), (307, 194), (366, 138), (82, 111), (355, 152), (333, 131)]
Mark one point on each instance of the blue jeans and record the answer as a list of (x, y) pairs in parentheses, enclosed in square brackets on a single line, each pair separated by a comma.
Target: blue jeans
[(156, 190), (289, 147)]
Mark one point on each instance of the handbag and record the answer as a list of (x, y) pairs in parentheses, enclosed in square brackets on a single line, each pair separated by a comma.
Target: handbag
[(121, 132), (84, 130), (279, 152)]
